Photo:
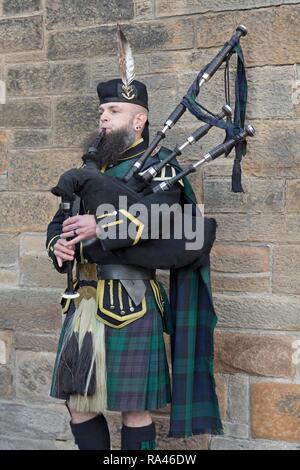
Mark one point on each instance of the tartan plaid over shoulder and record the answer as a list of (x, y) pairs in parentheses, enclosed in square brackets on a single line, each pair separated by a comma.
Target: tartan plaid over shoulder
[(194, 407), (194, 404)]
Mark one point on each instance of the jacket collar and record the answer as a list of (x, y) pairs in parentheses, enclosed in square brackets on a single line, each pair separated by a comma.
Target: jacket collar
[(134, 150)]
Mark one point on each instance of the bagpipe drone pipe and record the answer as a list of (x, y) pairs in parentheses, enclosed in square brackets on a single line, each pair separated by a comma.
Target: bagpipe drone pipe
[(138, 186)]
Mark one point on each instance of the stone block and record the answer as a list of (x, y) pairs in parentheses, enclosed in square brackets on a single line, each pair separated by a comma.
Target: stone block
[(238, 399), (221, 390), (275, 411), (260, 46), (292, 226), (33, 375), (267, 312), (226, 443), (26, 113), (265, 83), (8, 276), (67, 14), (21, 34), (240, 258), (41, 423), (5, 346), (36, 270), (254, 354), (3, 151), (36, 342), (13, 443), (190, 7), (170, 34), (25, 211), (17, 7), (6, 382), (46, 79), (265, 227), (103, 68), (286, 273), (293, 196), (237, 430), (34, 310), (273, 140), (256, 283), (34, 170), (143, 9), (180, 61), (32, 138), (74, 120), (9, 247)]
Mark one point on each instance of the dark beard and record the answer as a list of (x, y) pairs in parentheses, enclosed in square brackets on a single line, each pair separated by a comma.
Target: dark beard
[(110, 147)]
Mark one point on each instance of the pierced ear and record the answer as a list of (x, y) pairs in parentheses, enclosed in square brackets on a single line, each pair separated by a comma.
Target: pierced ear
[(140, 120)]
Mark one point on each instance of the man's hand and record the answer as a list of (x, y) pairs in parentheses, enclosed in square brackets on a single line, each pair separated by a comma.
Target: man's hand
[(63, 252), (79, 227)]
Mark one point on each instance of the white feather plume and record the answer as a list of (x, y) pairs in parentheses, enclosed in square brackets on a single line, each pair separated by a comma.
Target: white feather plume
[(126, 62)]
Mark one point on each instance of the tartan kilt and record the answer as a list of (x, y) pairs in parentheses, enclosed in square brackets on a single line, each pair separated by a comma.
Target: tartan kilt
[(137, 371)]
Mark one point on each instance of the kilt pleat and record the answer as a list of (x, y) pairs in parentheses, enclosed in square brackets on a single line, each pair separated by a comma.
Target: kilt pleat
[(136, 363), (137, 369)]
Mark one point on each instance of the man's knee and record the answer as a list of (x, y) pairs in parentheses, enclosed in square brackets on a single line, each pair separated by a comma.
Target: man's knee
[(79, 417), (136, 418), (82, 417)]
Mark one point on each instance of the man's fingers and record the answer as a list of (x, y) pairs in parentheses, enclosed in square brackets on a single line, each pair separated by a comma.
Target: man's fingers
[(70, 227), (61, 247), (76, 239), (63, 256), (68, 249), (67, 235), (71, 220), (59, 260)]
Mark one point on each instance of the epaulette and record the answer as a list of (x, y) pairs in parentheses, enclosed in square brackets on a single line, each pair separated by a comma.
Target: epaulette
[(166, 173)]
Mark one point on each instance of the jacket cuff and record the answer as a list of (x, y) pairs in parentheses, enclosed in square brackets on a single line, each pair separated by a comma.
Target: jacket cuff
[(52, 257)]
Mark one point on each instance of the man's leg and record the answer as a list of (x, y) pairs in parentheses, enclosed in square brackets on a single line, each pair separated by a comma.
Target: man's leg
[(138, 431), (78, 418), (90, 430)]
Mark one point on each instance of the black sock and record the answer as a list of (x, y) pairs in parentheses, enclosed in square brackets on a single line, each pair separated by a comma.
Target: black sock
[(92, 434), (142, 438)]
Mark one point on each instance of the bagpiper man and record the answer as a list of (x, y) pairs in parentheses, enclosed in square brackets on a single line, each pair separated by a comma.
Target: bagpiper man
[(111, 353)]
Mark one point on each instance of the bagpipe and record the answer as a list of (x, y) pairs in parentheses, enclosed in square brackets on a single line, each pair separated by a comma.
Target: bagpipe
[(138, 185)]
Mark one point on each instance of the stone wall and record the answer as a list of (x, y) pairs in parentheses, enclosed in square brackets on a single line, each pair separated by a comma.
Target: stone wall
[(52, 54)]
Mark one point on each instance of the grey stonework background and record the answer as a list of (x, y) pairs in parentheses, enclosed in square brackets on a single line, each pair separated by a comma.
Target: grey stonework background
[(52, 54)]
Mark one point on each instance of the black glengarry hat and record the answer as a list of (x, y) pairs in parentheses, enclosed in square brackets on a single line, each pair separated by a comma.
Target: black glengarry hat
[(114, 91), (125, 89)]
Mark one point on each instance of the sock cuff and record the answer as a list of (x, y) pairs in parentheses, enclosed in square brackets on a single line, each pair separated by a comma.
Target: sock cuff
[(143, 433), (92, 434), (100, 418)]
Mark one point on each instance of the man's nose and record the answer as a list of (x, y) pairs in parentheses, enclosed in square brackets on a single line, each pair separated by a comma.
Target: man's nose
[(103, 117)]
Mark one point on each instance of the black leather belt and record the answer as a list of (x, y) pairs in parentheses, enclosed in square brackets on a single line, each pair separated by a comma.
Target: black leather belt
[(131, 277), (119, 271)]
